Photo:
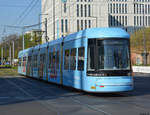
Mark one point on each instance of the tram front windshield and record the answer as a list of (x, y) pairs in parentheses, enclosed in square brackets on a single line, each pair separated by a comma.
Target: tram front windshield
[(108, 57)]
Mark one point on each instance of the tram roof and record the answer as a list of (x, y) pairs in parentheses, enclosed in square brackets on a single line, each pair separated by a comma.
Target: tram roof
[(87, 33), (23, 52), (99, 33)]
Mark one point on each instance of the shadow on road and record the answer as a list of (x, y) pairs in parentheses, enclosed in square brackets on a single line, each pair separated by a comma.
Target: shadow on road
[(21, 89)]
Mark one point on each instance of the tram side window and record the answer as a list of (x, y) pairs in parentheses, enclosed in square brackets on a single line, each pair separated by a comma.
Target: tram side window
[(35, 61), (66, 63), (29, 60), (53, 60), (57, 59), (24, 61), (73, 59), (50, 60), (81, 59), (44, 59), (19, 61)]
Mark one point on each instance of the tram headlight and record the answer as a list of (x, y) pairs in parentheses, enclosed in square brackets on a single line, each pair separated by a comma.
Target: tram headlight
[(129, 73)]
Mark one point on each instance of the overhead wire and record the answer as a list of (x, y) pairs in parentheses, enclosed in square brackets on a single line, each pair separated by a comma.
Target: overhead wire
[(24, 11), (31, 3), (13, 6), (27, 13), (22, 16)]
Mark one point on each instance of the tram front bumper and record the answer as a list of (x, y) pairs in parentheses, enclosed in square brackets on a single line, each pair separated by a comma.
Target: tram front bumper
[(113, 84)]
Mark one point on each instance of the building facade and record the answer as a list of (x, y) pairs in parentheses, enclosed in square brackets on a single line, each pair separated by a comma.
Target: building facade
[(68, 16)]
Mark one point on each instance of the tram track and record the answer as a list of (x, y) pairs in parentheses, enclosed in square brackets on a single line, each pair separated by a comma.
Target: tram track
[(32, 97), (85, 105)]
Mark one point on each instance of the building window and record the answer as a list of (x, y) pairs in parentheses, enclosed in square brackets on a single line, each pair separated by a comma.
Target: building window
[(65, 8), (78, 28), (123, 20), (149, 20), (126, 22), (77, 10), (110, 8), (62, 25), (137, 21), (66, 25), (148, 9), (134, 8), (89, 10), (114, 8), (89, 23), (85, 8), (81, 10), (145, 9), (81, 24), (126, 9), (117, 8), (110, 20), (134, 20), (120, 20), (122, 8), (143, 21), (146, 20), (140, 20), (85, 24)]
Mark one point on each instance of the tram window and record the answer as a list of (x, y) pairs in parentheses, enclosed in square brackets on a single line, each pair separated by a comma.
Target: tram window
[(91, 61), (53, 60), (73, 59), (66, 63), (50, 60), (57, 59), (35, 60), (19, 61), (44, 59), (40, 60), (24, 61), (28, 65), (81, 58), (29, 60)]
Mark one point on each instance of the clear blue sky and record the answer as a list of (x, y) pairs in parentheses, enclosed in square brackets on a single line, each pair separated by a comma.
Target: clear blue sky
[(18, 13)]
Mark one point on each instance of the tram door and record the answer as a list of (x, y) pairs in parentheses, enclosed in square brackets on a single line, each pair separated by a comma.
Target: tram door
[(61, 64), (28, 65), (41, 66)]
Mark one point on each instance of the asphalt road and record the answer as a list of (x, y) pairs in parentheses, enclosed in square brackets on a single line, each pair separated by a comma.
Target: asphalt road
[(26, 96)]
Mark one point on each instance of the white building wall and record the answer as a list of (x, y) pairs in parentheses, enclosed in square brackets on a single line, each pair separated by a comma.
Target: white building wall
[(98, 16), (102, 14)]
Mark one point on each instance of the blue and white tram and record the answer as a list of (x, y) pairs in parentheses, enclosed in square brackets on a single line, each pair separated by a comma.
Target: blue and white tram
[(93, 60)]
